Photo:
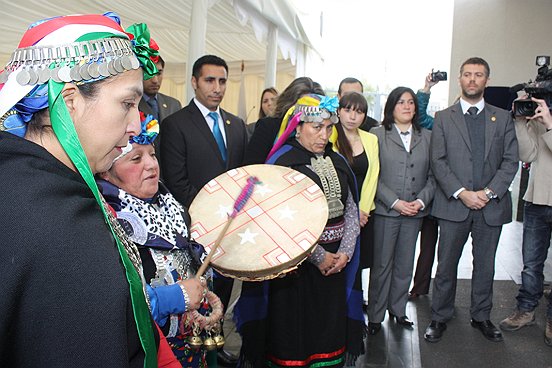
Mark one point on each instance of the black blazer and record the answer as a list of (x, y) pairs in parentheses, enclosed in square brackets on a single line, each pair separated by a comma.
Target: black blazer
[(189, 153)]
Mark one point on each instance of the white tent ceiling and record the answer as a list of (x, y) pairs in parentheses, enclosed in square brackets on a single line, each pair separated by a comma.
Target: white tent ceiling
[(236, 29)]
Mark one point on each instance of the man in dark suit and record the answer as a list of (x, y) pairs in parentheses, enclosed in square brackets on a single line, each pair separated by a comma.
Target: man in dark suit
[(155, 103), (474, 157), (202, 141)]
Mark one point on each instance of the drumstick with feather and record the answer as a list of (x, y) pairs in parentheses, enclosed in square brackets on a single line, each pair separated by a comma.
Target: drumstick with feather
[(239, 204)]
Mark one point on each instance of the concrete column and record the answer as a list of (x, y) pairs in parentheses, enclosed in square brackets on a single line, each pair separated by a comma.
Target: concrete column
[(271, 56), (196, 45)]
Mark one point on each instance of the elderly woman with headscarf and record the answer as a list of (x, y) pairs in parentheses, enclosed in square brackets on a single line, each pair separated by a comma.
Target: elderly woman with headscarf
[(312, 316), (159, 225), (72, 294)]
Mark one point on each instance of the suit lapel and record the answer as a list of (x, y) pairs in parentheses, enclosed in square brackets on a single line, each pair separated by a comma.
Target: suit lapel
[(416, 138), (394, 137), (490, 127), (226, 123), (144, 107), (162, 107), (459, 121)]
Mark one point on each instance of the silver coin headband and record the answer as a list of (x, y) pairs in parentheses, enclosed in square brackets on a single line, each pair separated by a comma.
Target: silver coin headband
[(315, 114), (74, 62)]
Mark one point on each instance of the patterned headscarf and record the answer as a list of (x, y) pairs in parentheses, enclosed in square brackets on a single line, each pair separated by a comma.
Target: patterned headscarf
[(77, 49)]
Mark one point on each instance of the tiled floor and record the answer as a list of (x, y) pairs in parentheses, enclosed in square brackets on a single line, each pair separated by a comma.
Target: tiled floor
[(397, 347)]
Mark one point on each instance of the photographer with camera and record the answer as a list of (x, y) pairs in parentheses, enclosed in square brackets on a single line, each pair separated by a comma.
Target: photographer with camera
[(535, 146), (423, 95)]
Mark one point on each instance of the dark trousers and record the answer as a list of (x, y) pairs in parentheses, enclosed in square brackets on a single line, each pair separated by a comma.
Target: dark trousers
[(537, 227), (428, 243), (453, 236)]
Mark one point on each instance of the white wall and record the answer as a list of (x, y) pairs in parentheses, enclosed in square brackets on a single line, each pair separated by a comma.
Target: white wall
[(508, 34)]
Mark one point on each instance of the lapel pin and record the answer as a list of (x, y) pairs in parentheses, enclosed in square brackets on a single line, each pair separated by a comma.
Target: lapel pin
[(228, 122), (165, 105), (493, 118)]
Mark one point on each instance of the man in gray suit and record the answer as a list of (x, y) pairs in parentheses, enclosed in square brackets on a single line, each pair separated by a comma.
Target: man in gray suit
[(474, 157)]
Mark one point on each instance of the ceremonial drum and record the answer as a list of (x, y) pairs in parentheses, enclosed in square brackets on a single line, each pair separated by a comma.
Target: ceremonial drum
[(276, 230)]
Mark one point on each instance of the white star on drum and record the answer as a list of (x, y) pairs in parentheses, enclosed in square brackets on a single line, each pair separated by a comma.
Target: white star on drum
[(262, 189), (287, 213), (224, 211), (247, 237)]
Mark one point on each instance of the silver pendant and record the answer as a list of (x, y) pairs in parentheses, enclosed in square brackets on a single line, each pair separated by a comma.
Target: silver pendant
[(125, 61), (104, 72), (83, 71), (111, 68), (335, 207), (44, 75), (23, 77), (93, 70), (33, 76), (64, 74), (118, 65), (74, 74), (134, 61), (55, 74)]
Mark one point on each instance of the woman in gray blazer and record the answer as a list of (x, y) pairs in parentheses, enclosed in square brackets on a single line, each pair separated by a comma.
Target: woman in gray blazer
[(405, 191)]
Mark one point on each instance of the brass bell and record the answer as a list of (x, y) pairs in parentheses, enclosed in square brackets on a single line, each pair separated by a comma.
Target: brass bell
[(219, 340), (195, 342), (209, 344)]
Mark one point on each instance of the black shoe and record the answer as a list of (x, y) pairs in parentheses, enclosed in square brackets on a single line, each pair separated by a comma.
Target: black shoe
[(373, 328), (488, 330), (434, 332), (403, 321), (226, 358)]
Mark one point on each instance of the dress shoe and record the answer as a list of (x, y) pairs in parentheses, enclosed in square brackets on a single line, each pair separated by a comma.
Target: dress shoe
[(373, 328), (226, 359), (488, 330), (403, 321), (434, 332)]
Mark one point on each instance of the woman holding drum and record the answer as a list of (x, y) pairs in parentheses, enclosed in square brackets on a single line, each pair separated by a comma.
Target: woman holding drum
[(312, 315), (158, 224)]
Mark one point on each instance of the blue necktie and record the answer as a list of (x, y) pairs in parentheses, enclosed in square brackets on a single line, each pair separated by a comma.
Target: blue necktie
[(218, 135), (154, 107)]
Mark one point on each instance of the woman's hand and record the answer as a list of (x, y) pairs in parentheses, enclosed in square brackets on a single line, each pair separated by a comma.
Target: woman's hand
[(196, 291), (341, 260), (327, 264), (364, 217), (405, 208)]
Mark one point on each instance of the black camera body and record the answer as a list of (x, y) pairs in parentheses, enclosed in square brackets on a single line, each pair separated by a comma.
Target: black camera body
[(438, 76), (541, 88)]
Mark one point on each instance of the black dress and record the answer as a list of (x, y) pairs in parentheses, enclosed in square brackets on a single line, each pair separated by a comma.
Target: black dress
[(360, 168), (310, 319)]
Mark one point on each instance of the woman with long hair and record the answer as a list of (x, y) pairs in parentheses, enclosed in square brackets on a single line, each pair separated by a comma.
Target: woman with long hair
[(360, 148)]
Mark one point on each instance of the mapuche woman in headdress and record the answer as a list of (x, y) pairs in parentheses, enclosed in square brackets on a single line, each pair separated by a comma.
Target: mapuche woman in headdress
[(72, 291), (312, 316)]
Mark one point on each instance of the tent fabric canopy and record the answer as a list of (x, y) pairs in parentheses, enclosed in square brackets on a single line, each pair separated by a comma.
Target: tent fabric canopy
[(236, 31)]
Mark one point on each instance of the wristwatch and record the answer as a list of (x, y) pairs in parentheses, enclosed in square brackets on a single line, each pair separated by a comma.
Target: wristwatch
[(489, 193)]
